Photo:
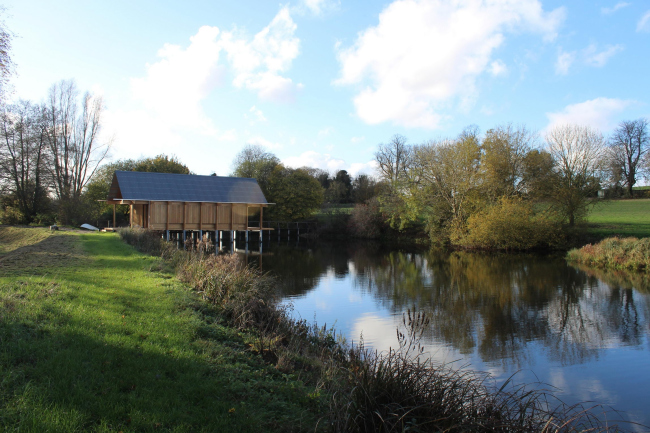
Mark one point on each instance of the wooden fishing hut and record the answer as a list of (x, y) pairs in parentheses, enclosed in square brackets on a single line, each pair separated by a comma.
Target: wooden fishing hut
[(184, 202)]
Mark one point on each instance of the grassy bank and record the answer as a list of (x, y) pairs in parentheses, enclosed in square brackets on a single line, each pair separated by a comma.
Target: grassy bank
[(622, 218), (97, 337)]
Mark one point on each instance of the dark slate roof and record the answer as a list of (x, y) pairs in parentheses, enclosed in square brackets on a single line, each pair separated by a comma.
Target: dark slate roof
[(136, 185)]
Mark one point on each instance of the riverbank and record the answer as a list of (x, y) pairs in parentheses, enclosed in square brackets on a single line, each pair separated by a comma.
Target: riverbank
[(98, 337), (109, 340)]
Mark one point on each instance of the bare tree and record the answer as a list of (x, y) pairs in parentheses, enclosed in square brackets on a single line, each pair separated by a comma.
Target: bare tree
[(23, 155), (6, 64), (73, 142), (394, 160), (579, 156), (628, 145)]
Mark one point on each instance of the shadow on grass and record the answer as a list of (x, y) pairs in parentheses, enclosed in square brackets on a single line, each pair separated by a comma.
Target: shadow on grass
[(101, 352)]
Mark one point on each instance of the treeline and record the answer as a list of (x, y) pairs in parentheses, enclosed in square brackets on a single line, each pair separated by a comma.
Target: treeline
[(505, 189), (48, 154), (299, 192)]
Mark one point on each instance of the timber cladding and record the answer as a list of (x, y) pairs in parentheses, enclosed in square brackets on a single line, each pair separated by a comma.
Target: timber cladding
[(193, 216)]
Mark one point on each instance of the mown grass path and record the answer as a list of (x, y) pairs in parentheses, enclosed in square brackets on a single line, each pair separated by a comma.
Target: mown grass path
[(106, 341)]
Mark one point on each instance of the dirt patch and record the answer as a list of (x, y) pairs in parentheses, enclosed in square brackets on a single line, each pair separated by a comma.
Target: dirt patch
[(34, 250)]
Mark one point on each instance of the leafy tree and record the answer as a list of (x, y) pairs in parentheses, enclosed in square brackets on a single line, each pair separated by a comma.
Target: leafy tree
[(538, 174), (628, 145), (296, 194), (578, 153), (336, 192), (503, 162), (256, 163), (364, 188), (161, 164), (448, 174), (345, 180)]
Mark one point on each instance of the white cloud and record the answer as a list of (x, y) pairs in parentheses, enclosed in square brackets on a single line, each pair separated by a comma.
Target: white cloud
[(258, 63), (644, 23), (174, 87), (326, 162), (314, 159), (564, 62), (598, 59), (369, 168), (497, 68), (617, 6), (168, 98), (317, 7), (261, 141), (357, 139), (424, 55), (138, 133), (597, 113), (257, 114), (325, 131)]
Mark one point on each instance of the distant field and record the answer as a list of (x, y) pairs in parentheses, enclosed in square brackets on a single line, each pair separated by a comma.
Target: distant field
[(620, 218)]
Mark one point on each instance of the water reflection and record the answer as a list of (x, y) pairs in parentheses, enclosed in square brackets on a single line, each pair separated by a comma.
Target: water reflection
[(493, 304), (586, 331)]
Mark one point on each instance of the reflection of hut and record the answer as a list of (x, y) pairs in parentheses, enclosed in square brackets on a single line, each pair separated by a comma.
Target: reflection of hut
[(180, 202)]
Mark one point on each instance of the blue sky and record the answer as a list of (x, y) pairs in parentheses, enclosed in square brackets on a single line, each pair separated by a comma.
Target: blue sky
[(323, 82)]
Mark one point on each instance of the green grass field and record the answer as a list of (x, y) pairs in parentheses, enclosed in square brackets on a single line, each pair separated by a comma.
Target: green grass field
[(97, 337), (621, 218)]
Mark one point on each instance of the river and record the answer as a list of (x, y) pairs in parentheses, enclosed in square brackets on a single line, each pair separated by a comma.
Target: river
[(584, 335)]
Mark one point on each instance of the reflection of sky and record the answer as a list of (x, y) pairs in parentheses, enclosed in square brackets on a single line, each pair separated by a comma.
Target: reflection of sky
[(616, 375)]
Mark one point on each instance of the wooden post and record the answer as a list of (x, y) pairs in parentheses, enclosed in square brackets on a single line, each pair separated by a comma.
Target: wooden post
[(131, 216), (184, 218), (167, 227), (114, 216), (201, 218)]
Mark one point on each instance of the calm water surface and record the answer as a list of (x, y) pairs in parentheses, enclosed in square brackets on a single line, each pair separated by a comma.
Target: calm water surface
[(588, 335)]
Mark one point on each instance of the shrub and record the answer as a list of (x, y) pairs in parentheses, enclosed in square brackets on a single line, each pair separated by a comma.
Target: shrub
[(11, 216), (512, 224), (366, 220), (614, 253)]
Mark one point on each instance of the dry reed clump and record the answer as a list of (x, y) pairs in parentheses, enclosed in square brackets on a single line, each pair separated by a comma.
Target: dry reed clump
[(616, 253), (401, 390), (368, 391), (142, 239)]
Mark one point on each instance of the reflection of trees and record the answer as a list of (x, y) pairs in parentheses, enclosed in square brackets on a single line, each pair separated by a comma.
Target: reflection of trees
[(501, 303), (297, 270), (497, 304)]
